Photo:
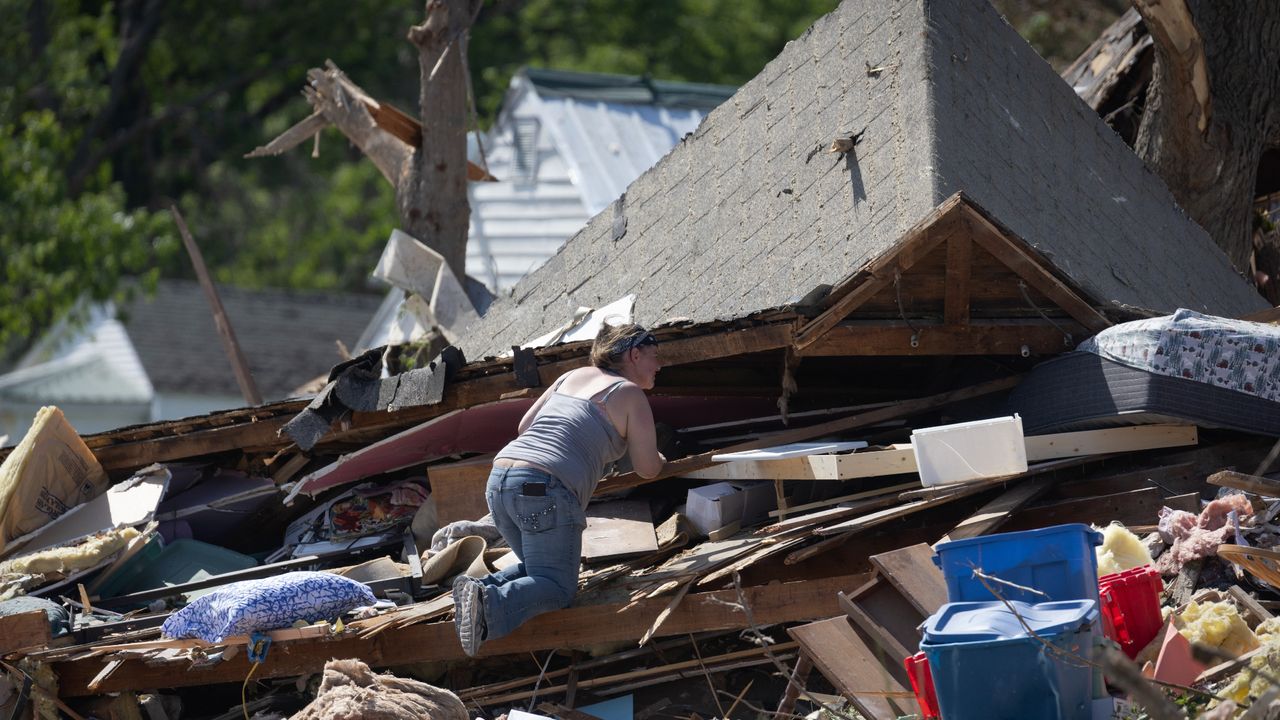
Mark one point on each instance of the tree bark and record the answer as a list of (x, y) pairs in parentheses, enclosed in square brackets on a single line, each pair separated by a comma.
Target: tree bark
[(1211, 110), (431, 193)]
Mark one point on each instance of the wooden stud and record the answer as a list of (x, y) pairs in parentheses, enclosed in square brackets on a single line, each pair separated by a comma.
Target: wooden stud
[(959, 267)]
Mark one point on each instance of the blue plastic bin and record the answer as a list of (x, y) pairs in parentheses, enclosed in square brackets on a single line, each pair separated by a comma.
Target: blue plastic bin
[(1058, 561), (986, 666)]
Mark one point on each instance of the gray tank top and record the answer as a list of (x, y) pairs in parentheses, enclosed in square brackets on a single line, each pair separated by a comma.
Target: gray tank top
[(573, 438)]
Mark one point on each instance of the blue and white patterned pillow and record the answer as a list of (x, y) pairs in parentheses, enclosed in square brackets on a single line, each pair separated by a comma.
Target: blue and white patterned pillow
[(267, 604)]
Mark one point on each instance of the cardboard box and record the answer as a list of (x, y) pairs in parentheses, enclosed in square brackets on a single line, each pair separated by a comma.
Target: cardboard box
[(714, 506)]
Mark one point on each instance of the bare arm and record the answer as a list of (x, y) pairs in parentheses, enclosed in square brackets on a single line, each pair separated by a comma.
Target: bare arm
[(642, 440)]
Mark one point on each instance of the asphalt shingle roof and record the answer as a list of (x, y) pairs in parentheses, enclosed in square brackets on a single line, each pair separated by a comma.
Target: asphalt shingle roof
[(287, 337), (750, 213)]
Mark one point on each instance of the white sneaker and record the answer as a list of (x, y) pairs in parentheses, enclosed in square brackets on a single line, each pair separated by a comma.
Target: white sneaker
[(468, 613)]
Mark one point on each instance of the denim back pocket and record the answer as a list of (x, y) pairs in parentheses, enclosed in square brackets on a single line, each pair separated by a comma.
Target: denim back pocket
[(535, 513)]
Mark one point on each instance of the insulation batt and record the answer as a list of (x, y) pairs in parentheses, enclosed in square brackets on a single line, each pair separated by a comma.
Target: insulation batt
[(71, 558), (1191, 537), (1216, 624), (1251, 685), (1120, 550), (351, 691)]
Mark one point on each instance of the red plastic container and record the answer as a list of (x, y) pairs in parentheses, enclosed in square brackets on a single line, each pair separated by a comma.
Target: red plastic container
[(922, 685), (1131, 607)]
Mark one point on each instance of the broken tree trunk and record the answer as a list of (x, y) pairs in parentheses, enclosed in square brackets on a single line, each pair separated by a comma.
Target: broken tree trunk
[(432, 193)]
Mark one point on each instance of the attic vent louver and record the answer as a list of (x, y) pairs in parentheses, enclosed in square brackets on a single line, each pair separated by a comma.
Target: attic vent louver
[(525, 143)]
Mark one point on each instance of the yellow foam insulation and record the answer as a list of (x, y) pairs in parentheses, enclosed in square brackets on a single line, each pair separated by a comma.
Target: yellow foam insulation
[(1216, 624), (70, 559), (1120, 550), (48, 473), (1251, 685)]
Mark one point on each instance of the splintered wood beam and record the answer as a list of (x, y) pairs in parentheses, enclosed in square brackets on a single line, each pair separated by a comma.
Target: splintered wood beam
[(995, 513), (959, 267), (919, 241), (971, 339), (1012, 251), (576, 627)]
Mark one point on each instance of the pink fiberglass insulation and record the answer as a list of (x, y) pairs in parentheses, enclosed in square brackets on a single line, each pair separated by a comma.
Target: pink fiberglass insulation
[(1193, 537)]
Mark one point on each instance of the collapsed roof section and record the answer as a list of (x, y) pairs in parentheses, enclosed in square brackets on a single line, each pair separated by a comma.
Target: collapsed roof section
[(749, 213)]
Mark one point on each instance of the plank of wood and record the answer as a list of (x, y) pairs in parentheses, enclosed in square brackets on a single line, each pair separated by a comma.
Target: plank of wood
[(1014, 252), (853, 667), (875, 492), (997, 511), (873, 463), (575, 627), (877, 275), (458, 489), (1173, 479), (879, 518), (959, 267), (24, 631), (1109, 440), (913, 572), (901, 458), (903, 409), (1134, 507), (1255, 484), (863, 338), (888, 619), (618, 529)]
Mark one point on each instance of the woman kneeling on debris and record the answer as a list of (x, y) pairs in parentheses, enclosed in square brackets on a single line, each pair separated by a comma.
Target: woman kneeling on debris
[(541, 481)]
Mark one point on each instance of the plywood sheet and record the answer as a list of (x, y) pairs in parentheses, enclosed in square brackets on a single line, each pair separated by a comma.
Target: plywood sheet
[(618, 529)]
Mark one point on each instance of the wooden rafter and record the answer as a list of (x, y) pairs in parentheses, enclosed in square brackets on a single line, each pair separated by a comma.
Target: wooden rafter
[(919, 241), (971, 237)]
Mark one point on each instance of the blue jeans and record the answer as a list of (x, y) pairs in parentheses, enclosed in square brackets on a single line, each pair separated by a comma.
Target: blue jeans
[(545, 532)]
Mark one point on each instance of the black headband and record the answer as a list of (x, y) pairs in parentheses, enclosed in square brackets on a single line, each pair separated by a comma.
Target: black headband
[(639, 341)]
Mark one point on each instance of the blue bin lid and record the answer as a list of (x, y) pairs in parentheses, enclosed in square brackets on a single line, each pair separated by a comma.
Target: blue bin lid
[(964, 622), (1094, 537)]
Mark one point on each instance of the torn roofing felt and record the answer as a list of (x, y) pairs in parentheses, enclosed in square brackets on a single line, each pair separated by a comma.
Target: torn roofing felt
[(750, 212)]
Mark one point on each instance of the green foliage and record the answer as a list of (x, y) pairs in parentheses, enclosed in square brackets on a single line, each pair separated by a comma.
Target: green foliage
[(58, 249), (714, 41)]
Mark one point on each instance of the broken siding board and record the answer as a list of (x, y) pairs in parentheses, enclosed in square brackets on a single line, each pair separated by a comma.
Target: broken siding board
[(913, 572), (582, 627), (853, 667)]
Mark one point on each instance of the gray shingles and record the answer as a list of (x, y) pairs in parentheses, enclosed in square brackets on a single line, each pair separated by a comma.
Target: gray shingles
[(738, 218), (288, 338)]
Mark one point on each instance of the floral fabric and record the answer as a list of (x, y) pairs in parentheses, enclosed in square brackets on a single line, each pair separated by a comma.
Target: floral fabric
[(1233, 354), (267, 604)]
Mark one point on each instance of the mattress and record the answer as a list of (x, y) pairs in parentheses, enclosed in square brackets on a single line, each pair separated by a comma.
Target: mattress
[(1083, 391)]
